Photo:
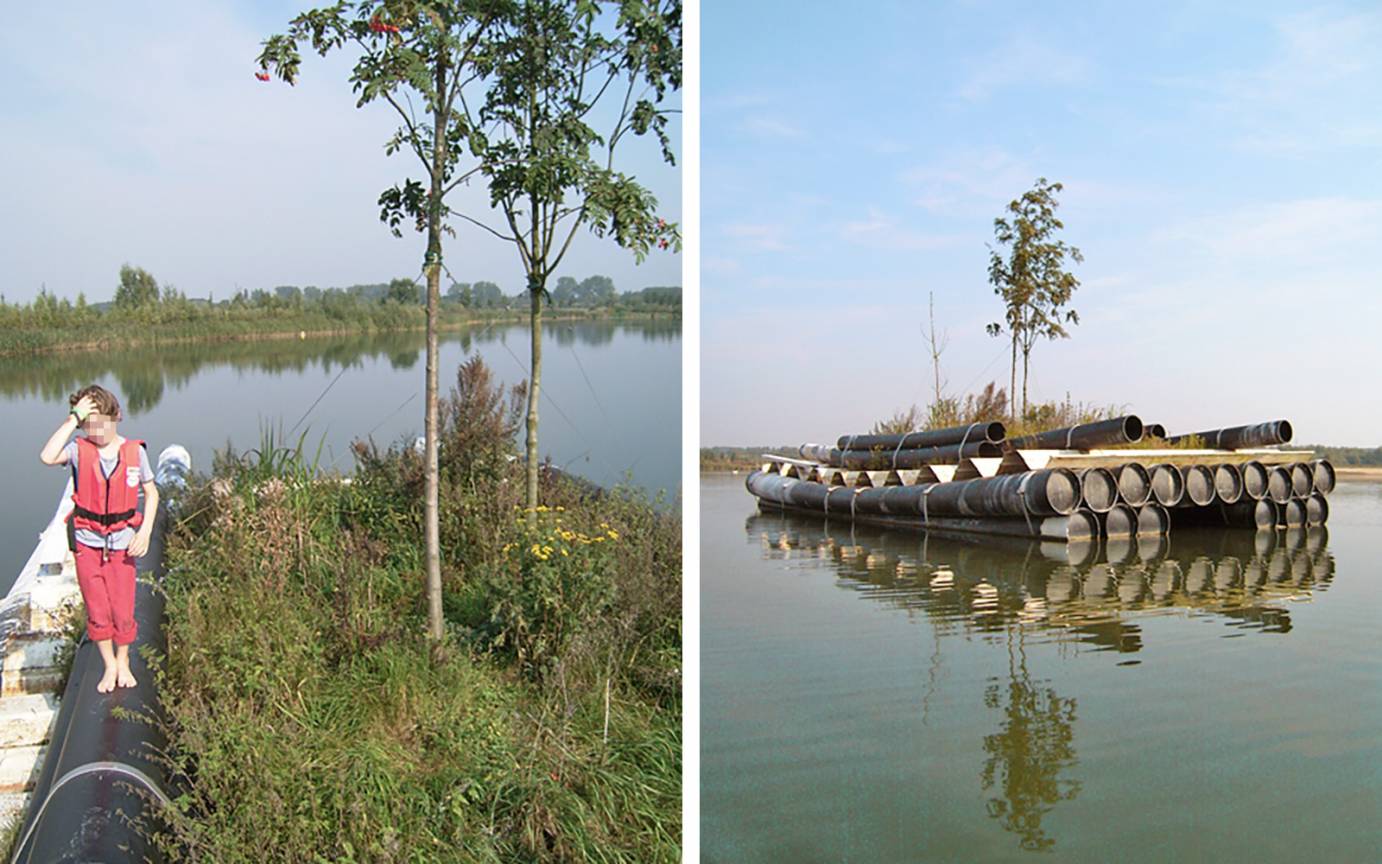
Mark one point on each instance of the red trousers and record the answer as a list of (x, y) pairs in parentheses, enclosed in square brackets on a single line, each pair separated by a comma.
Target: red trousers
[(108, 591)]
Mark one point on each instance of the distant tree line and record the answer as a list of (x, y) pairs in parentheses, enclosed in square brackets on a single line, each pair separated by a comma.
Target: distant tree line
[(1346, 456), (140, 298), (593, 292)]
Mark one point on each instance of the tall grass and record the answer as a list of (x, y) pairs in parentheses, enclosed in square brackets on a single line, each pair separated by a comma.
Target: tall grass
[(310, 719)]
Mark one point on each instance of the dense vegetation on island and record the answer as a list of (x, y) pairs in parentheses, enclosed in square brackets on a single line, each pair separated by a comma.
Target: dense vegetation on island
[(313, 721)]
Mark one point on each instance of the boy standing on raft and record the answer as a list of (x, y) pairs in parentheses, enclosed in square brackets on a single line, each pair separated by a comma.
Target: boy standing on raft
[(107, 472)]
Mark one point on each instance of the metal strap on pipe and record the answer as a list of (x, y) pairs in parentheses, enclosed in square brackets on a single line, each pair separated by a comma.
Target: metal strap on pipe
[(1022, 496)]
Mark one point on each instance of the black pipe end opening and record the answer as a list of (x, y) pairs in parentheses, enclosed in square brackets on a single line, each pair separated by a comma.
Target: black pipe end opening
[(1132, 428), (1063, 491)]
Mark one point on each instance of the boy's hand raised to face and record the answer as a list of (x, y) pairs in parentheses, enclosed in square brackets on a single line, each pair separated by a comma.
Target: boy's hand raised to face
[(83, 408)]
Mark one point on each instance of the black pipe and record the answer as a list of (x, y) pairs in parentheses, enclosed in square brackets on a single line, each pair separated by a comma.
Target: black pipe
[(1278, 484), (1324, 476), (1254, 479), (1153, 430), (1050, 492), (1199, 485), (1083, 436), (1168, 487), (1134, 484), (1079, 526), (1242, 437), (886, 460), (1098, 489), (1316, 509), (1302, 480), (1228, 483), (1261, 515), (1153, 520), (990, 432), (101, 772), (1291, 514), (1119, 521)]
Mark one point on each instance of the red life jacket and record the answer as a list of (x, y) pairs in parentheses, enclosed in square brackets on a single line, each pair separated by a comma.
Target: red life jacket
[(101, 505)]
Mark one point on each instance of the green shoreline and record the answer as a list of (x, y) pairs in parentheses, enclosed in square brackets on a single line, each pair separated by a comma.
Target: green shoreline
[(252, 328)]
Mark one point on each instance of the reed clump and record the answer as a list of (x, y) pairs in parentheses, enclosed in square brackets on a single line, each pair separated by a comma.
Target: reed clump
[(312, 720)]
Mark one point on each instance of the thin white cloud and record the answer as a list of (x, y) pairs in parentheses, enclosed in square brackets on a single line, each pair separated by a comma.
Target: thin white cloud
[(1317, 92), (1284, 236), (1022, 62), (881, 231), (768, 126), (762, 237), (970, 182), (719, 265)]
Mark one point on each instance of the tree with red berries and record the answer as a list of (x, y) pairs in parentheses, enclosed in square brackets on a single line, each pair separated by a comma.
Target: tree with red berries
[(555, 69), (410, 54)]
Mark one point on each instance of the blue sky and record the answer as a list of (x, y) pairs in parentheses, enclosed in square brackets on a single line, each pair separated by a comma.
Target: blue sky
[(136, 132), (1222, 166)]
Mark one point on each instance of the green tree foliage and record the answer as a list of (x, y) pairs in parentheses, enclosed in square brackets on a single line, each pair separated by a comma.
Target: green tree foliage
[(486, 295), (137, 288), (1032, 278), (596, 291), (666, 296), (550, 172), (564, 295), (404, 291), (459, 292)]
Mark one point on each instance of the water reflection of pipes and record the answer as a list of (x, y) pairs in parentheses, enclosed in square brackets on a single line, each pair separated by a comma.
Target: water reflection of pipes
[(1066, 590)]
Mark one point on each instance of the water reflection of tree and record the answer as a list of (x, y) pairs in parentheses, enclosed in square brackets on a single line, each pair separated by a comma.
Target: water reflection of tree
[(145, 373), (1034, 744)]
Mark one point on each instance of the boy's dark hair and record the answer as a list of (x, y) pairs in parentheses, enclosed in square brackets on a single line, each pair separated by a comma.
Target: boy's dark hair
[(106, 403)]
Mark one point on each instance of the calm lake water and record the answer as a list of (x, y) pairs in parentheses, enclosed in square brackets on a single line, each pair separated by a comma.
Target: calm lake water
[(887, 696), (611, 402)]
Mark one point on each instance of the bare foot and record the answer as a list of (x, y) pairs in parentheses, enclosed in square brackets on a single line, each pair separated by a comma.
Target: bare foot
[(107, 682), (124, 677)]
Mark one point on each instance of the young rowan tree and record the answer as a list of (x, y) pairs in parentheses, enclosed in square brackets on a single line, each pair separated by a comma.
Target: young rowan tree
[(1032, 279), (416, 56), (555, 68)]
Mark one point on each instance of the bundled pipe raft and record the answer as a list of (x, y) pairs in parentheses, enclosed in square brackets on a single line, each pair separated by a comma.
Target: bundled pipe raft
[(972, 479)]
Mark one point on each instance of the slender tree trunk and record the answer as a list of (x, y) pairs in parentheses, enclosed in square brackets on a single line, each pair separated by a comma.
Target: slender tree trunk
[(936, 349), (1012, 379), (534, 387), (432, 263), (1026, 354), (537, 278)]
